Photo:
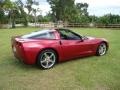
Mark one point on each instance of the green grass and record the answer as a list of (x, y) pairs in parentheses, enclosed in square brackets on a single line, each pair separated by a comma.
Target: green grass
[(91, 73)]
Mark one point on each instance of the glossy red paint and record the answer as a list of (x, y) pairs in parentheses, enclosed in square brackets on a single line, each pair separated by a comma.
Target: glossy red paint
[(27, 50)]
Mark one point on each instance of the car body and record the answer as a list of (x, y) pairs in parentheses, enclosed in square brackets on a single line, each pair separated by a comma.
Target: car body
[(65, 43)]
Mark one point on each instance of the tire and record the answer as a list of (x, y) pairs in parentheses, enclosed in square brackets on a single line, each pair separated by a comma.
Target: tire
[(102, 49), (47, 59)]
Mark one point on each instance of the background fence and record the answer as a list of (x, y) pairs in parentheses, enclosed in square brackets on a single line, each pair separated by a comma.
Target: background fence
[(62, 25), (89, 25)]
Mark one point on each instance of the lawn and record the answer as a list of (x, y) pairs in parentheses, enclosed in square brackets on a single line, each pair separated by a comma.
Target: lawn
[(91, 73)]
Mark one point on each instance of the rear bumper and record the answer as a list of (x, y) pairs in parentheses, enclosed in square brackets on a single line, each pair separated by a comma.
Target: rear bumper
[(21, 56), (22, 52), (25, 56), (18, 56)]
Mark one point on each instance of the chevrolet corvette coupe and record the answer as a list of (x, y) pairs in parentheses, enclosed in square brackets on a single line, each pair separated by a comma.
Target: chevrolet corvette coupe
[(47, 47)]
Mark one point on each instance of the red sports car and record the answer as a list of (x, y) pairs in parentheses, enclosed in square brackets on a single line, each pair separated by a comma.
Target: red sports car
[(47, 47)]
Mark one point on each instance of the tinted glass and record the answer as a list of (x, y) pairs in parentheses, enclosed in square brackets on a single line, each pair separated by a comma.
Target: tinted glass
[(44, 34), (68, 35)]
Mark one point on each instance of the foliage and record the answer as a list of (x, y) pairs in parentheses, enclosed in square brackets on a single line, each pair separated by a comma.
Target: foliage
[(82, 9), (29, 6), (5, 6), (21, 6), (9, 8), (81, 14), (109, 19), (44, 18), (62, 9), (2, 16)]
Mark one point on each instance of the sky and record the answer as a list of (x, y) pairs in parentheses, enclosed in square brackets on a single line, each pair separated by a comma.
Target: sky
[(96, 7)]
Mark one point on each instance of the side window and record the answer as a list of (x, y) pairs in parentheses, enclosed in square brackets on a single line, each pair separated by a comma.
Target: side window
[(68, 35), (47, 35), (52, 35)]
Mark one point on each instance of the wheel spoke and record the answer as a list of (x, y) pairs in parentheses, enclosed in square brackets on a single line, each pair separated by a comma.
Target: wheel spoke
[(51, 61), (43, 61), (48, 59), (45, 55), (47, 64), (102, 49), (51, 55)]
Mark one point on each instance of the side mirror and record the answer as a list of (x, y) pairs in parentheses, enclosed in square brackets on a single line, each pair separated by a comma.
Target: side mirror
[(82, 38)]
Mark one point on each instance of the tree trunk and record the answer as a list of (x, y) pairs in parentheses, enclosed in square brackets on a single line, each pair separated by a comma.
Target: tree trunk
[(13, 22)]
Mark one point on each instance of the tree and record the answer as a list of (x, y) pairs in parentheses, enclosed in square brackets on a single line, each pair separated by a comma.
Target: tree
[(46, 18), (93, 19), (82, 9), (82, 15), (67, 11), (13, 14), (35, 10), (10, 8), (2, 16), (109, 19), (21, 7), (29, 6), (62, 9)]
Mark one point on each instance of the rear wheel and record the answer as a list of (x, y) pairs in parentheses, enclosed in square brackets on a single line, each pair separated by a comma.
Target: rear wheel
[(47, 59), (102, 49)]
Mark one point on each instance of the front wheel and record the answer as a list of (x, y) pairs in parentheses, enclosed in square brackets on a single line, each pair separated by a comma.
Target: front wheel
[(47, 59), (102, 49)]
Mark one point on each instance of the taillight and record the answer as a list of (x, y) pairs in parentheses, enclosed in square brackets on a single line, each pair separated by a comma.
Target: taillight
[(18, 44)]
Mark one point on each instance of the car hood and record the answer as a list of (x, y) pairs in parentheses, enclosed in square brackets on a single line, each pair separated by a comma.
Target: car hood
[(91, 37), (94, 38)]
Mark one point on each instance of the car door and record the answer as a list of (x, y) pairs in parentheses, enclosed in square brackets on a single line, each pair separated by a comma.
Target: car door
[(72, 45)]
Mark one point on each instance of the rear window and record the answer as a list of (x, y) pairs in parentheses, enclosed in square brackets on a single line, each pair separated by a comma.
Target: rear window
[(43, 34)]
